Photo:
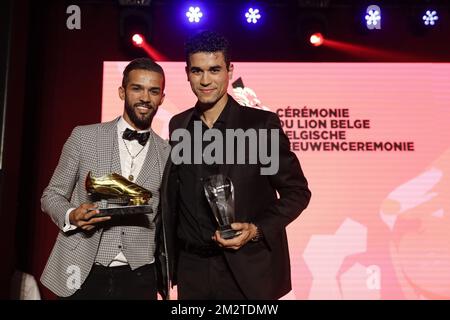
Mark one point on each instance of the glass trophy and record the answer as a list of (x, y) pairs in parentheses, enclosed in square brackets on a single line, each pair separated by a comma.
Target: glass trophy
[(220, 194)]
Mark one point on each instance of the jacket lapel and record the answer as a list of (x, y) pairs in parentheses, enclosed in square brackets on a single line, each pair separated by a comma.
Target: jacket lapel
[(185, 122), (232, 122), (154, 160), (183, 125), (108, 160)]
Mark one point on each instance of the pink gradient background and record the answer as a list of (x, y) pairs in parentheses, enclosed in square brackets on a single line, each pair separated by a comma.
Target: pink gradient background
[(377, 226)]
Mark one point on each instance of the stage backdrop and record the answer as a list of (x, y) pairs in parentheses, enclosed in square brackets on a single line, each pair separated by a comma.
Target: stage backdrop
[(374, 143)]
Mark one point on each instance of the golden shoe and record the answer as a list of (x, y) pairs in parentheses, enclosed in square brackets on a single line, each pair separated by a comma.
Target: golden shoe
[(115, 186)]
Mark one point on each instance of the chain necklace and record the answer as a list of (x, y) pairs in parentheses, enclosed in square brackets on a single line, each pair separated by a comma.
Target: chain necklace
[(130, 176)]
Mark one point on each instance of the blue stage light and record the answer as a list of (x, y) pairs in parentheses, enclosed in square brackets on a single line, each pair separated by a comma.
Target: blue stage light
[(430, 17), (373, 17), (194, 14), (252, 15)]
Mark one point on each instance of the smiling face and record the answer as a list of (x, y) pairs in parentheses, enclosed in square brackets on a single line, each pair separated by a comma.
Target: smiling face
[(142, 95), (209, 77)]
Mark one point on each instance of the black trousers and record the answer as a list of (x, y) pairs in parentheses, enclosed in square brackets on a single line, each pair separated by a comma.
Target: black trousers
[(209, 278), (118, 283)]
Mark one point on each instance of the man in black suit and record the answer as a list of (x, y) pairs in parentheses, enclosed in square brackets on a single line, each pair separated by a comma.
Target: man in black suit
[(255, 264)]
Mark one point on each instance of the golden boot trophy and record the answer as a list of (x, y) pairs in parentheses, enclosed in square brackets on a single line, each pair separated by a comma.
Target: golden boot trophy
[(115, 186)]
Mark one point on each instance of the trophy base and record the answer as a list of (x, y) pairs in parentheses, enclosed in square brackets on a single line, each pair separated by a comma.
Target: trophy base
[(125, 211), (228, 233)]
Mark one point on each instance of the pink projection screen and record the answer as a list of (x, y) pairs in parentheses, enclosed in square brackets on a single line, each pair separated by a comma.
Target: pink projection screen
[(374, 142)]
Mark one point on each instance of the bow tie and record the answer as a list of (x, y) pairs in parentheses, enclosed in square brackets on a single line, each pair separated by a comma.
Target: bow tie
[(134, 135)]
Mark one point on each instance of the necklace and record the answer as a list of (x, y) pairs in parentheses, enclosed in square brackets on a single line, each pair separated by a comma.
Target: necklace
[(131, 177)]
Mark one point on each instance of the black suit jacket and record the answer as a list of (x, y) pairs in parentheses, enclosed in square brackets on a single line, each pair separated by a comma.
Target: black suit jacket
[(262, 268)]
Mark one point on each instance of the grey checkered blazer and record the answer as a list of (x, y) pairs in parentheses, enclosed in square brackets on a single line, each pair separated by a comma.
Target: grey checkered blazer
[(95, 148)]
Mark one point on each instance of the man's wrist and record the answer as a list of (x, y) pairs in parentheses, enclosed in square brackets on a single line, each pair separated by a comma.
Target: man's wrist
[(259, 235), (68, 226)]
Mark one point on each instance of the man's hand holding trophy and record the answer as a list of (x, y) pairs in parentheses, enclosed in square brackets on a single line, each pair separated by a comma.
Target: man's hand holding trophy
[(111, 186), (115, 186)]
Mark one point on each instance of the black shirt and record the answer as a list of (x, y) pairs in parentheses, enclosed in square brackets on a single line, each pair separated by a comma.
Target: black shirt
[(196, 223)]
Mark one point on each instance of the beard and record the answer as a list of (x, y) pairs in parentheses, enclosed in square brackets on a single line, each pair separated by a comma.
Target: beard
[(142, 122)]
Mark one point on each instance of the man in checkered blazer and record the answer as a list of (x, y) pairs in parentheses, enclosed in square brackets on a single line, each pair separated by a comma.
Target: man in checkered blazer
[(109, 257)]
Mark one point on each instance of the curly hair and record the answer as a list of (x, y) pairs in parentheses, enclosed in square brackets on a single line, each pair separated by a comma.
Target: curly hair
[(208, 41)]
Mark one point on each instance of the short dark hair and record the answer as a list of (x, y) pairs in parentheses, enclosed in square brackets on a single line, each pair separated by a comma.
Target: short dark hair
[(208, 41), (141, 64)]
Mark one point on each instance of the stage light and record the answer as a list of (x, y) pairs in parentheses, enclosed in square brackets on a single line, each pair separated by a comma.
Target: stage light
[(316, 39), (373, 17), (252, 15), (135, 29), (430, 17), (138, 40), (311, 29), (194, 14)]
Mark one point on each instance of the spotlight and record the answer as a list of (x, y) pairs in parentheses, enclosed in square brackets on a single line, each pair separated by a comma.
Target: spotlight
[(252, 15), (135, 29), (316, 39), (138, 40), (425, 19), (373, 17), (312, 29), (430, 17), (194, 14)]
